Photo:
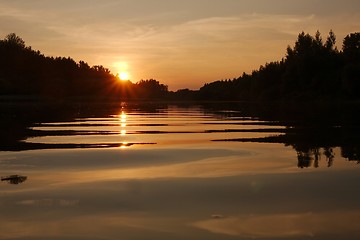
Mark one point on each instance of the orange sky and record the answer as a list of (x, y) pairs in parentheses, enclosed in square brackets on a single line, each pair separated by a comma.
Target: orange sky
[(180, 43)]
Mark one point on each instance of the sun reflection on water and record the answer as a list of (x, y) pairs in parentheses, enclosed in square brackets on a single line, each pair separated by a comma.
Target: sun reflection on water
[(123, 119), (124, 145)]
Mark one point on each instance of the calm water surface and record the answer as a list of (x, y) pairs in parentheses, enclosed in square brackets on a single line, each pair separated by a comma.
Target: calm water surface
[(128, 171)]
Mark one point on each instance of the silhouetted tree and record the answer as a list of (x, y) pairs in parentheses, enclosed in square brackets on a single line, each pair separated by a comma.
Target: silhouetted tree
[(351, 69), (13, 40), (150, 88), (351, 47), (331, 41)]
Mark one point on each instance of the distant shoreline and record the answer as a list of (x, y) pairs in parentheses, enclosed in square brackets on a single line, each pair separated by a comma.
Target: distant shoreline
[(41, 100)]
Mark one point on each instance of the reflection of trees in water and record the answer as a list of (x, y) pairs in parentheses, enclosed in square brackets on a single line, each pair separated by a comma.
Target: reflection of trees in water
[(14, 179), (312, 157), (313, 129), (329, 154), (351, 152)]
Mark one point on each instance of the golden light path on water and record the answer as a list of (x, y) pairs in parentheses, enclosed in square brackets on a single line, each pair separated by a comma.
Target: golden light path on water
[(183, 186)]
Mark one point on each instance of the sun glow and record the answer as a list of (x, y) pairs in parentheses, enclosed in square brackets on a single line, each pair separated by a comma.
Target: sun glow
[(124, 76), (122, 70)]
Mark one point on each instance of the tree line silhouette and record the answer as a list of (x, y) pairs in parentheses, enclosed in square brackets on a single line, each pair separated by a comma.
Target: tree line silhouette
[(26, 72), (313, 69)]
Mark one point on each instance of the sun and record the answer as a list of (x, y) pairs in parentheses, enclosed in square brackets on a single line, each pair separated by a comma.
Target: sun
[(124, 76), (122, 69)]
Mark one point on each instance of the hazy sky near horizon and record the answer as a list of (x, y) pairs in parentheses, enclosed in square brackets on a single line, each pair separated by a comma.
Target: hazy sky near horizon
[(182, 43)]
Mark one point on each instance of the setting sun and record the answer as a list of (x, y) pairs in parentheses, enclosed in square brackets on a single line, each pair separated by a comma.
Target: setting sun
[(124, 76)]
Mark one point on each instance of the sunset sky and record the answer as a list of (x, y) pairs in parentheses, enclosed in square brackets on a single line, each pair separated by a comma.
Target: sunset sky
[(182, 43)]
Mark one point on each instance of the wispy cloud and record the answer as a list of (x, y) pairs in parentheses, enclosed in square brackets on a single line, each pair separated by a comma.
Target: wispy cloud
[(175, 43)]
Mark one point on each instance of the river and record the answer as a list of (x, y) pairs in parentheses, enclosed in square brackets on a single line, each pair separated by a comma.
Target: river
[(178, 171)]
